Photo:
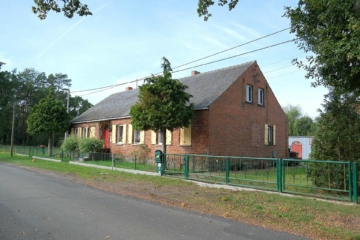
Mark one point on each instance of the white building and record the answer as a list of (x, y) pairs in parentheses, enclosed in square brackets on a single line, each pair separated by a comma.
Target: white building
[(301, 145)]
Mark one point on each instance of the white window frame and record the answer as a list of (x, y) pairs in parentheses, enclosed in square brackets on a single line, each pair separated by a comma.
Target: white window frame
[(159, 139), (249, 93), (135, 132), (119, 133), (84, 132), (261, 96), (270, 135)]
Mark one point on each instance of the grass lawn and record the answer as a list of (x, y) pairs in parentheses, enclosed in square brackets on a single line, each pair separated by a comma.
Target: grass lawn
[(298, 215)]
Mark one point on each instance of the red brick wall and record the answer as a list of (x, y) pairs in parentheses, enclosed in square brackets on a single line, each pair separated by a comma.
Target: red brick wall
[(237, 128), (231, 126), (199, 133)]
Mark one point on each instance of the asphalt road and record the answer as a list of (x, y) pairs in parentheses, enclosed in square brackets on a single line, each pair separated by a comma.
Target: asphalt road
[(38, 206)]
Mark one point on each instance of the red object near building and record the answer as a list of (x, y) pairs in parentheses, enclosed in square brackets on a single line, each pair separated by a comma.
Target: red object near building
[(297, 147)]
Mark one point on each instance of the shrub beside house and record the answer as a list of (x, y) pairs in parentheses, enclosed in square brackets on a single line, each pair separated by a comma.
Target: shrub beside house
[(236, 114)]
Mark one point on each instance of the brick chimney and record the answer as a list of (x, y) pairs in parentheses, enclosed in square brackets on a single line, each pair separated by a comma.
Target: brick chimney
[(128, 88), (193, 73)]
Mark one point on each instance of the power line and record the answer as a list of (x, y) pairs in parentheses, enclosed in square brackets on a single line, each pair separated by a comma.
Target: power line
[(259, 49), (284, 74), (232, 48), (115, 85), (277, 69)]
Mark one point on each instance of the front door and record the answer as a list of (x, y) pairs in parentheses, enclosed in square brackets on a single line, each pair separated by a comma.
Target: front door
[(106, 138)]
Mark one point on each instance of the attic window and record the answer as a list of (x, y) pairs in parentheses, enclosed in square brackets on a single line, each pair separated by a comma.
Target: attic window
[(249, 93)]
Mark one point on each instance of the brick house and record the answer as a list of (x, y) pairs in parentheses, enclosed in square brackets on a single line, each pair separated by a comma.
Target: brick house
[(236, 114)]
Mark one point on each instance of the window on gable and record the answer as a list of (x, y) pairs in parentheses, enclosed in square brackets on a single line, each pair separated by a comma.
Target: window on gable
[(249, 93), (270, 135), (261, 96)]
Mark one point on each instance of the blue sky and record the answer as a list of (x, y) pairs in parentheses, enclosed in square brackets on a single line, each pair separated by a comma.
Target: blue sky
[(125, 40)]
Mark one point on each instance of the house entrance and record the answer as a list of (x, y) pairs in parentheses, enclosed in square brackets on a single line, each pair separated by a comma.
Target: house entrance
[(106, 137)]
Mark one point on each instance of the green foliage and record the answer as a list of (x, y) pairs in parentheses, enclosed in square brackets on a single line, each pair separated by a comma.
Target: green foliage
[(48, 116), (71, 143), (78, 105), (203, 6), (90, 144), (338, 135), (69, 8), (141, 153), (299, 125), (337, 138), (331, 31), (163, 104)]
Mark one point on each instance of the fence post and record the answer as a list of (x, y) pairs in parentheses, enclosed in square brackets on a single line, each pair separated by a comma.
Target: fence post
[(135, 162), (112, 161), (227, 169), (355, 186), (279, 173), (186, 170)]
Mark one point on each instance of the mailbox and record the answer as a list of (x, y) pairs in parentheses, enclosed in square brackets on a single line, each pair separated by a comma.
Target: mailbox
[(158, 156)]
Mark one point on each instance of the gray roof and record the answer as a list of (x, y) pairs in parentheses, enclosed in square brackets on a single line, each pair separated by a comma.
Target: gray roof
[(205, 88)]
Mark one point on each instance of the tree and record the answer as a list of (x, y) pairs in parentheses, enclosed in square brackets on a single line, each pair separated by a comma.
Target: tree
[(163, 104), (69, 8), (8, 92), (203, 6), (304, 126), (338, 135), (78, 105), (299, 124), (292, 113), (331, 31), (337, 139), (48, 116)]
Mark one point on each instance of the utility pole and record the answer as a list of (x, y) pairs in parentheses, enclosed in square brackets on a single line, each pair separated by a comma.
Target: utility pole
[(67, 109), (12, 132)]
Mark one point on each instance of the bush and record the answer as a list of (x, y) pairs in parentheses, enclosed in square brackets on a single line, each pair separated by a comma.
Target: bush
[(71, 143), (90, 144)]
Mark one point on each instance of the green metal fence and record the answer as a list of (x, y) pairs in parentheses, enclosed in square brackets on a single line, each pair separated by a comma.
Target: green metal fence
[(326, 179)]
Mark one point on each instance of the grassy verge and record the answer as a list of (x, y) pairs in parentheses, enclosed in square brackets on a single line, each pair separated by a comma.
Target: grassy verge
[(302, 216)]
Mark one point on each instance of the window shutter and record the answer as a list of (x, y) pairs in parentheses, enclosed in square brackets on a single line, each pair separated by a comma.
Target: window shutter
[(274, 135), (79, 132), (130, 135), (182, 136), (153, 137), (123, 140), (168, 137), (92, 132), (113, 134), (266, 135), (187, 135), (142, 137), (72, 131)]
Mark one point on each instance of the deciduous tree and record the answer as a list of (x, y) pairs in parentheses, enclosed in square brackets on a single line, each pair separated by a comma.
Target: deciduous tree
[(48, 116), (330, 32), (68, 7), (163, 104)]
